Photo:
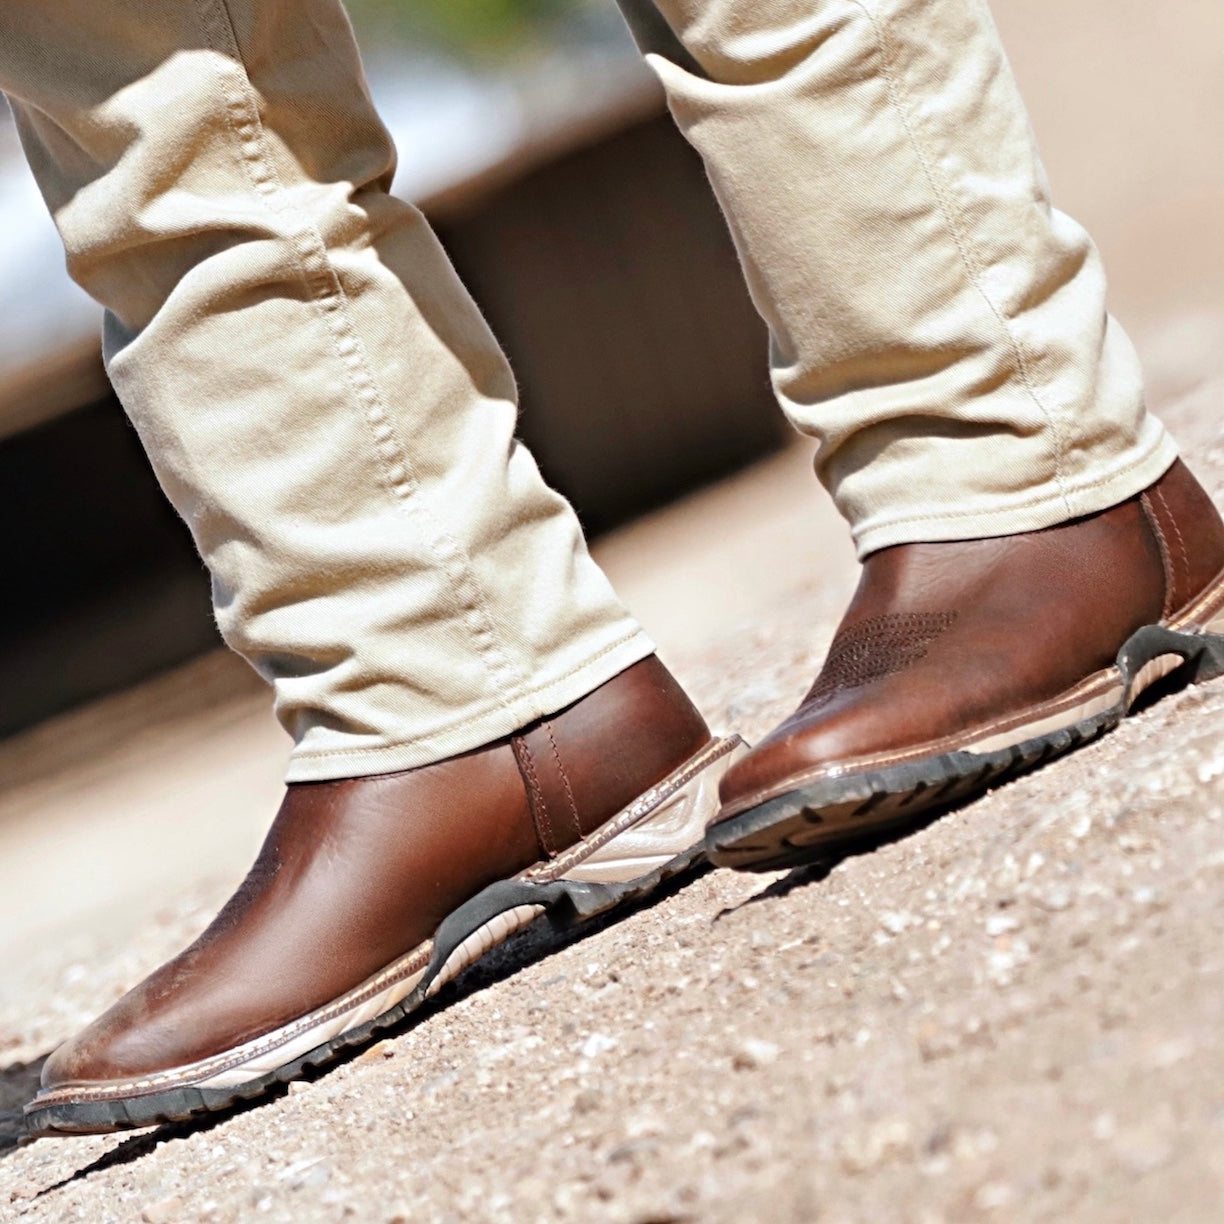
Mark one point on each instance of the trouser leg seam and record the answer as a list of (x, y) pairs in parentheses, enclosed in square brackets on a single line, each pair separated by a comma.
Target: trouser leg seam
[(328, 296), (958, 232)]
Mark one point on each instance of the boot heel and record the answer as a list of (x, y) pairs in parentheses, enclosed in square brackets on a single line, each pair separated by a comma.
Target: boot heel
[(659, 835), (666, 822), (1203, 614)]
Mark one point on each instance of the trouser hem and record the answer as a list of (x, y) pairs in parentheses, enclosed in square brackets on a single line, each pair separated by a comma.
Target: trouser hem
[(482, 727), (1059, 503)]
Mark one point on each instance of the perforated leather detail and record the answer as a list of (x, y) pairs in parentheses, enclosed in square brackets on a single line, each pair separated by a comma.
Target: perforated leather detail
[(876, 648)]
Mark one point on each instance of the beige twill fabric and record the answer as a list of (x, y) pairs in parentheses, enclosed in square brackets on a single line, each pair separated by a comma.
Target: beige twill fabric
[(329, 413), (935, 323), (320, 398)]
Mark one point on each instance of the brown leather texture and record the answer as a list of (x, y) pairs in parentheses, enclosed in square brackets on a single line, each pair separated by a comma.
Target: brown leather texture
[(1189, 532), (356, 873), (947, 639)]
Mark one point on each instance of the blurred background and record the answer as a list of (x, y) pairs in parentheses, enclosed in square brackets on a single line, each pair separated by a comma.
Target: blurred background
[(538, 144)]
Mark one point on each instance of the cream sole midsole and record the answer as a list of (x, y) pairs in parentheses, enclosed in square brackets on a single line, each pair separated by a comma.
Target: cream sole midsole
[(1100, 693), (662, 824), (1106, 690), (1108, 695)]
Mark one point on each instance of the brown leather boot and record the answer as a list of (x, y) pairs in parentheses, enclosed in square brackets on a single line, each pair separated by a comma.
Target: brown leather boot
[(370, 894), (960, 664)]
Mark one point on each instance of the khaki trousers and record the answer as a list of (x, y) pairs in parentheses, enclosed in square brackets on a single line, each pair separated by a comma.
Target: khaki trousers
[(327, 410), (935, 323)]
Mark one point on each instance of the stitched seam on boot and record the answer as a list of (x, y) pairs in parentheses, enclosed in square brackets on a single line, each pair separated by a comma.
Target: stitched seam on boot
[(642, 806), (960, 741), (412, 961), (536, 803), (569, 794), (875, 648), (1178, 597), (1166, 563)]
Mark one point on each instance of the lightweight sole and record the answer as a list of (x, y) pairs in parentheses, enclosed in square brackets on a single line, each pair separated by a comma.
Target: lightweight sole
[(819, 818), (659, 836)]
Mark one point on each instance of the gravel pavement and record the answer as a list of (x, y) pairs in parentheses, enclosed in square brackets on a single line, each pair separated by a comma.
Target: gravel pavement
[(1014, 1014)]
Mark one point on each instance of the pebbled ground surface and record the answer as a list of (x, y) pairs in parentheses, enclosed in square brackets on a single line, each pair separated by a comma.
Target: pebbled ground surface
[(1013, 1014)]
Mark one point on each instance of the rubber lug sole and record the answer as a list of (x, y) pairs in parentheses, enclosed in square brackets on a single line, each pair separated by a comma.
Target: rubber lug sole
[(817, 821)]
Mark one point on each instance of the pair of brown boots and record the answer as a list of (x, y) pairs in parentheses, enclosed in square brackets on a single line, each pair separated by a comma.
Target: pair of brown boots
[(957, 665)]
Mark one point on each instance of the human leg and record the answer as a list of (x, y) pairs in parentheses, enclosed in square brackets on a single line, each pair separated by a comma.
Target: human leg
[(319, 396), (942, 331), (481, 731)]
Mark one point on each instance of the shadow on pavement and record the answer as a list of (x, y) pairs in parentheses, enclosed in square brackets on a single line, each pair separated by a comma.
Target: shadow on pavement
[(18, 1083), (536, 944), (820, 865), (147, 1142)]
